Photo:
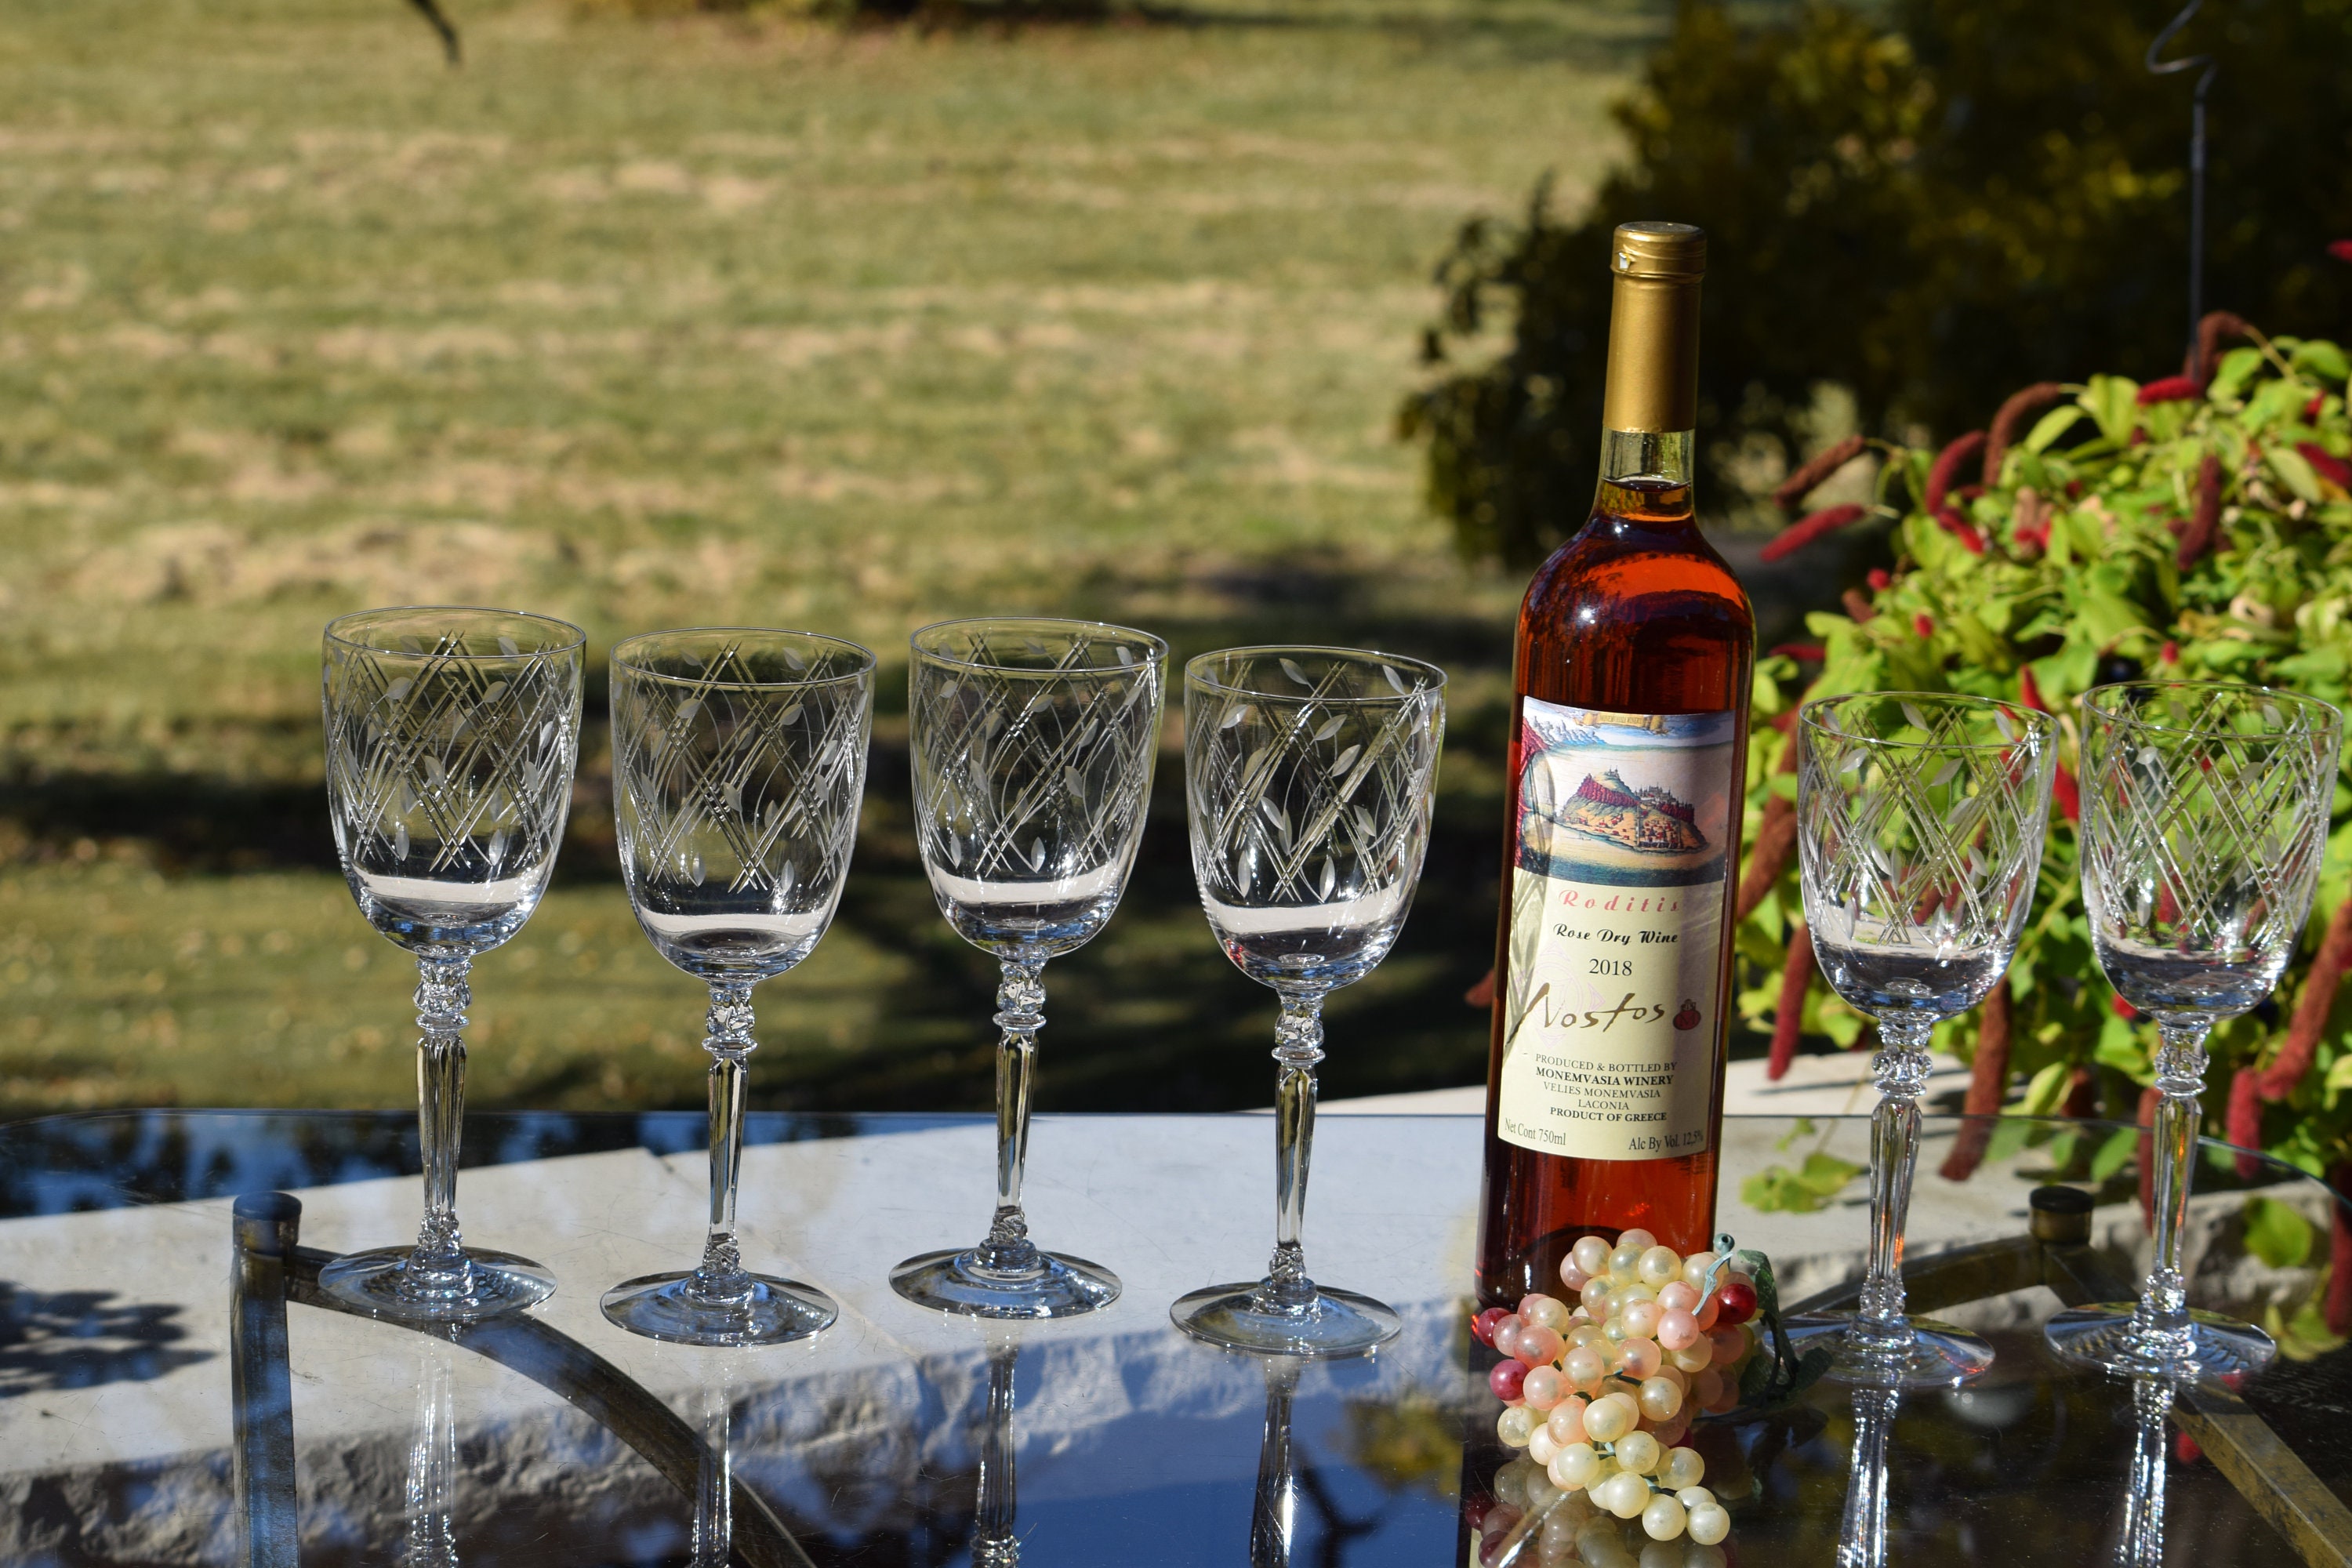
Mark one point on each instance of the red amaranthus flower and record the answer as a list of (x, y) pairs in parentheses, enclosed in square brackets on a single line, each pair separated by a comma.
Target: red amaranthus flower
[(2171, 389)]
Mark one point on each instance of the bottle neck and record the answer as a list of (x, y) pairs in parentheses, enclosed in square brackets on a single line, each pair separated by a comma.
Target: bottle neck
[(1646, 477)]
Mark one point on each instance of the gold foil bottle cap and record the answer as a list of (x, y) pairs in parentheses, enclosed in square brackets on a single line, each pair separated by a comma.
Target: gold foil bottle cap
[(1659, 250), (1653, 327)]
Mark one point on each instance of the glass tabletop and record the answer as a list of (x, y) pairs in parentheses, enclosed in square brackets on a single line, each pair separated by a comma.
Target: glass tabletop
[(129, 1355)]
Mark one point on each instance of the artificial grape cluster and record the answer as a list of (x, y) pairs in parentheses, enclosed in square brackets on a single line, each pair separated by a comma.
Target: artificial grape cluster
[(1602, 1393)]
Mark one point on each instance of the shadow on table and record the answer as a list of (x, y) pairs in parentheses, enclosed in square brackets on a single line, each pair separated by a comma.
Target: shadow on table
[(81, 1339)]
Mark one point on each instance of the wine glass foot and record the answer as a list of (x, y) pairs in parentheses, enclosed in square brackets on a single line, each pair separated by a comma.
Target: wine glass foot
[(773, 1311), (1329, 1324), (1935, 1355), (1054, 1286), (2110, 1336), (384, 1283)]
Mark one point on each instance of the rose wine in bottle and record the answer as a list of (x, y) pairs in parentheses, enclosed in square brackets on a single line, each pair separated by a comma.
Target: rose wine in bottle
[(1629, 740)]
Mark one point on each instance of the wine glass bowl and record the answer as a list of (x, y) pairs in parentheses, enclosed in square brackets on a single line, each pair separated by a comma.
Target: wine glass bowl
[(738, 764), (1920, 820), (451, 735), (2205, 811), (1309, 775), (1031, 743)]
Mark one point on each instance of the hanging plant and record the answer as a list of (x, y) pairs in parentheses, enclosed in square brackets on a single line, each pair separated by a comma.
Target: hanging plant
[(2194, 527)]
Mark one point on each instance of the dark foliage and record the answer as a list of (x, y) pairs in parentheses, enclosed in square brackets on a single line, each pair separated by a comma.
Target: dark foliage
[(1930, 204)]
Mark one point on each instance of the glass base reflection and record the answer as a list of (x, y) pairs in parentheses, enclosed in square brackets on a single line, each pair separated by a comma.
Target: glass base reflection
[(1935, 1355), (1051, 1285), (1327, 1324), (385, 1282), (2111, 1335), (771, 1311)]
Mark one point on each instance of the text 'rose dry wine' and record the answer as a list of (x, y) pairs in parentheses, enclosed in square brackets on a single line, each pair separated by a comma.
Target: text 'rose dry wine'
[(1612, 973)]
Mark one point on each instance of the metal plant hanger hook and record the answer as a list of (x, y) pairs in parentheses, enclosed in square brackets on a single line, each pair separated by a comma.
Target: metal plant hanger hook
[(2209, 69)]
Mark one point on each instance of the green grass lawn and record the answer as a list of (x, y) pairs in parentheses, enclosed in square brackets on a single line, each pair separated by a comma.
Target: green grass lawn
[(652, 324)]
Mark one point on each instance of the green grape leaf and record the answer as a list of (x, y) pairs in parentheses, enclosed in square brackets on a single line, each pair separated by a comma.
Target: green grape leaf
[(2277, 1234)]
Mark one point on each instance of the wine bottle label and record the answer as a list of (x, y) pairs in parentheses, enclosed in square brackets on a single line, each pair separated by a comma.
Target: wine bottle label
[(1616, 932)]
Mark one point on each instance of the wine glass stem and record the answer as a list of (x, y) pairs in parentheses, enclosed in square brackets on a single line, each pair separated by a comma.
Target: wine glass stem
[(995, 1543), (2144, 1515), (1020, 1013), (1298, 1046), (2163, 1315), (714, 1496), (1274, 1517), (1861, 1539), (441, 998), (729, 1041), (1901, 1068)]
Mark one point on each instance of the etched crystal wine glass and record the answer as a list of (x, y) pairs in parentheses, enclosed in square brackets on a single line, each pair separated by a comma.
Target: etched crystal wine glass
[(1920, 817), (1308, 773), (2204, 821), (1032, 743), (451, 738), (739, 761)]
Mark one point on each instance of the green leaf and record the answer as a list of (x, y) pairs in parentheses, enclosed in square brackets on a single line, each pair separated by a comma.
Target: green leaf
[(2322, 359), (1776, 1189), (2294, 472), (2113, 402), (2114, 1153), (1804, 1129), (2062, 1150), (2238, 367), (2049, 1086), (2277, 1234), (2009, 1136), (2053, 425)]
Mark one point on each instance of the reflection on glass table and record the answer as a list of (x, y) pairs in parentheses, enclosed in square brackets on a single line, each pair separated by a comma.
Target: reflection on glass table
[(155, 1409)]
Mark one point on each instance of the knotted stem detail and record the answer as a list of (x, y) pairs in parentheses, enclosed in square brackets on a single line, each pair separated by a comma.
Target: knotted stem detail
[(721, 1279), (1299, 1046), (2160, 1324), (1901, 1068), (441, 997), (1020, 1013)]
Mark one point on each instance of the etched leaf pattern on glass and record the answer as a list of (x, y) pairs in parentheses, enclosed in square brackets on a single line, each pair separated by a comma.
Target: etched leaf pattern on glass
[(732, 791), (446, 765), (2211, 848), (1923, 835), (1315, 797)]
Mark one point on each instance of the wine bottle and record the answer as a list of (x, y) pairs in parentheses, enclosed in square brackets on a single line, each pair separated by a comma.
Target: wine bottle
[(1636, 650)]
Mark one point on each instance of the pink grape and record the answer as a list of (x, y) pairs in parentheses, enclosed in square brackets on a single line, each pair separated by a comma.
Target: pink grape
[(1730, 1344), (1566, 1422), (1571, 1275), (1537, 1345), (1585, 1368), (1638, 1358), (1679, 1296), (1543, 1387), (1678, 1329), (1506, 1334)]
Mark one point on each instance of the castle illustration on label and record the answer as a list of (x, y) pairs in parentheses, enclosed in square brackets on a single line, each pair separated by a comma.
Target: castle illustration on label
[(1628, 800)]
